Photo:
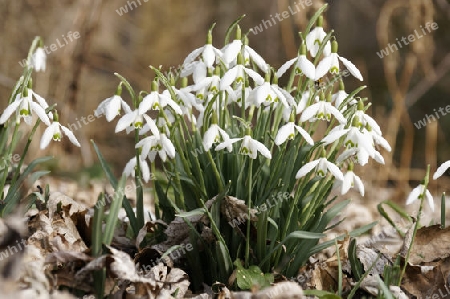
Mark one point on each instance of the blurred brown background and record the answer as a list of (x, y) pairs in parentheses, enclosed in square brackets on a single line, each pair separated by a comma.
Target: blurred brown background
[(404, 86)]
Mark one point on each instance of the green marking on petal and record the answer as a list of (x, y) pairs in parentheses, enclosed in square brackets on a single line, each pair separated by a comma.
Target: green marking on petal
[(57, 137), (138, 124), (24, 112), (334, 70)]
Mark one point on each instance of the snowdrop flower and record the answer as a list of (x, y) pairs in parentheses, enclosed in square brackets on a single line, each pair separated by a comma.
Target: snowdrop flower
[(322, 110), (366, 119), (441, 169), (157, 144), (314, 39), (352, 180), (418, 193), (301, 105), (321, 167), (39, 60), (267, 94), (54, 132), (288, 132), (209, 84), (213, 135), (231, 51), (197, 69), (130, 168), (24, 106), (249, 147), (339, 97), (303, 65), (331, 64), (130, 121), (111, 107), (155, 101), (237, 74), (208, 53)]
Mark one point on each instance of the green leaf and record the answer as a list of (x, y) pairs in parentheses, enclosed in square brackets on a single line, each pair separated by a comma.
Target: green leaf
[(321, 294), (253, 276), (196, 212), (357, 268), (113, 181), (116, 204), (359, 231), (230, 29)]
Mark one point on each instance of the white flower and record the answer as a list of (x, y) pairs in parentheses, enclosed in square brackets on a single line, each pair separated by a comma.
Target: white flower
[(130, 121), (249, 147), (303, 66), (54, 132), (208, 52), (322, 110), (322, 166), (367, 120), (352, 180), (231, 51), (110, 107), (339, 97), (130, 168), (314, 40), (24, 106), (157, 144), (198, 69), (237, 74), (156, 101), (288, 132), (207, 85), (213, 135), (417, 193), (441, 169), (39, 60), (331, 64), (270, 93)]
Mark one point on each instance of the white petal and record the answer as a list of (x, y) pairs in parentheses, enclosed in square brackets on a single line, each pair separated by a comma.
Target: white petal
[(310, 112), (48, 135), (347, 182), (194, 54), (335, 171), (70, 135), (255, 76), (333, 136), (152, 125), (168, 146), (323, 67), (440, 171), (145, 170), (40, 113), (209, 55), (209, 137), (148, 101), (125, 121), (39, 99), (228, 77), (337, 114), (305, 135), (129, 167), (286, 66), (257, 59), (430, 199), (352, 68), (306, 168), (8, 111), (414, 195), (232, 51), (112, 109), (307, 67), (284, 132), (359, 185), (263, 149), (227, 143)]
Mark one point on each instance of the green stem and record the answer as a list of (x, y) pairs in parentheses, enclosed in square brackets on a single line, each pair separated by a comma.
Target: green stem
[(249, 218)]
